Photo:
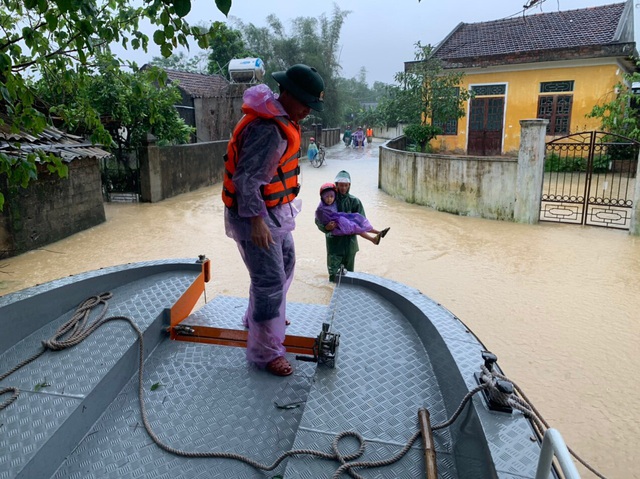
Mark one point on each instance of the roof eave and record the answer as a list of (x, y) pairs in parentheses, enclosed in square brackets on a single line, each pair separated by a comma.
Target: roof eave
[(625, 52)]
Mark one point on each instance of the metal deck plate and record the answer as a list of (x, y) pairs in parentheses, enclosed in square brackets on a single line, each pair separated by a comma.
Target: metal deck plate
[(382, 377), (73, 374), (209, 399)]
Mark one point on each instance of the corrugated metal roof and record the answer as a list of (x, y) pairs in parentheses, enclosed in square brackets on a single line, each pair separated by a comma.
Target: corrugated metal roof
[(51, 140)]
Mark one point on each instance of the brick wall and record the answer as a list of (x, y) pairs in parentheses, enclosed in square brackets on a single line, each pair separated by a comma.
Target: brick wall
[(51, 208)]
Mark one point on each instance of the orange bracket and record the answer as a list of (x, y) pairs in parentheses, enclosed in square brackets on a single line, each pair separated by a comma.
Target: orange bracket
[(185, 304), (212, 335), (238, 338)]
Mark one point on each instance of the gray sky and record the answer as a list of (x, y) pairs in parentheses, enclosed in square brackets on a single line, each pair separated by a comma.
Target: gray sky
[(378, 35)]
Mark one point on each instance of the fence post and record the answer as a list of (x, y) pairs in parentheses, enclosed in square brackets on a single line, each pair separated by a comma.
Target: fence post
[(634, 227), (530, 171), (150, 171)]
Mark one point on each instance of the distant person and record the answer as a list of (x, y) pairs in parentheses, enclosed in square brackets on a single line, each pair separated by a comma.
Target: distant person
[(369, 135), (312, 151), (358, 138), (259, 191), (346, 137), (341, 250), (344, 224)]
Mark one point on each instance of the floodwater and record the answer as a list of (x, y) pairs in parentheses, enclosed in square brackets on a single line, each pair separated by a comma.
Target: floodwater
[(558, 304)]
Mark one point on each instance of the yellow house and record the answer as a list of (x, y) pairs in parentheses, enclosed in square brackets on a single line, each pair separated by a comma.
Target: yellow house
[(555, 65)]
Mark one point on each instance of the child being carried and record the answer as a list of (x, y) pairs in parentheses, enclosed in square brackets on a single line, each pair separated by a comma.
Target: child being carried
[(344, 224)]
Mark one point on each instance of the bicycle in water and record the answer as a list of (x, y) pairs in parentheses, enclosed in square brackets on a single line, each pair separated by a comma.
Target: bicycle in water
[(318, 161)]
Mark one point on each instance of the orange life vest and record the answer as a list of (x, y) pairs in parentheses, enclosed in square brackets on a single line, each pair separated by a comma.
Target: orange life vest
[(284, 186)]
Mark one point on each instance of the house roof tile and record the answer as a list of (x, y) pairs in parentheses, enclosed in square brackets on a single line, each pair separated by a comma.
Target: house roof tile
[(594, 26), (199, 85)]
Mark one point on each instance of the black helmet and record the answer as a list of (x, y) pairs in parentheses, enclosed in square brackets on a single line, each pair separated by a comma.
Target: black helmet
[(304, 83)]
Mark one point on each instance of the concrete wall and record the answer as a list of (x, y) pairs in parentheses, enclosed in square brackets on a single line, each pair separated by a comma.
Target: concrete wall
[(388, 133), (328, 137), (172, 170), (463, 185), (51, 208), (216, 117)]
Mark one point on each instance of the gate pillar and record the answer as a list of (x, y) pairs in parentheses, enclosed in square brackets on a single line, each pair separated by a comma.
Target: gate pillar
[(634, 227), (530, 171), (150, 174)]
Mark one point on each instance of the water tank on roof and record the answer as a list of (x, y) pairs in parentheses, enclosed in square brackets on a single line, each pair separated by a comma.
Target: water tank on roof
[(246, 70)]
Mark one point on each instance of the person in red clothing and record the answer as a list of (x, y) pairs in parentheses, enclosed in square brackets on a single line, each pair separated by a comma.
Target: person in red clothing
[(369, 134)]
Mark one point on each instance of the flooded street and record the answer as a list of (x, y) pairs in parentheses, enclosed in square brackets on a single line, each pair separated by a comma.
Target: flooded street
[(558, 304)]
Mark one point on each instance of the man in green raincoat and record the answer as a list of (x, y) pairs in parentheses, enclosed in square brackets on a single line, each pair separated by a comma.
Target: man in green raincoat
[(342, 249)]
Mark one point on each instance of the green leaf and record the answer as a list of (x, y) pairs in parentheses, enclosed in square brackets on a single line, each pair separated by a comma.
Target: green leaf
[(6, 95), (158, 37), (15, 50), (52, 20), (64, 5), (224, 6), (182, 7), (164, 17), (27, 34), (39, 386), (5, 62), (166, 50), (30, 4), (1, 201), (85, 27), (155, 386)]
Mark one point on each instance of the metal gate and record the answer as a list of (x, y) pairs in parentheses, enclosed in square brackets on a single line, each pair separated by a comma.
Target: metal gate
[(121, 178), (589, 179)]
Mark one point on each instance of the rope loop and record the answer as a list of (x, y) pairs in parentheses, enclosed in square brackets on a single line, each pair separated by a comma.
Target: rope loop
[(76, 329), (14, 396), (349, 457)]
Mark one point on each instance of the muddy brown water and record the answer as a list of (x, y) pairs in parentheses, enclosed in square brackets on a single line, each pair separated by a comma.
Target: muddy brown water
[(558, 304)]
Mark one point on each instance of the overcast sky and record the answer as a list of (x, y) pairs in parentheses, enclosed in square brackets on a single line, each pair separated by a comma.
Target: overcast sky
[(378, 35)]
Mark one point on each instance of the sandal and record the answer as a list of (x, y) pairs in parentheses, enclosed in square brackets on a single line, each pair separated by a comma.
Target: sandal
[(384, 232), (280, 367)]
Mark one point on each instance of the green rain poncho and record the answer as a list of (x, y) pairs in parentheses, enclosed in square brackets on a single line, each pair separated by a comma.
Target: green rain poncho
[(342, 249)]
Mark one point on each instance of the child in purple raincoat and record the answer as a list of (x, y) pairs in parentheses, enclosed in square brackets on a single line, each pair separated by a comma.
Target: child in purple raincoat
[(344, 224)]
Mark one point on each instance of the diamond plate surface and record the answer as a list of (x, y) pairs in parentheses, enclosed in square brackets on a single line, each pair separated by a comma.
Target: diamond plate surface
[(209, 400), (41, 288), (382, 377), (387, 367), (27, 425), (72, 374), (507, 435)]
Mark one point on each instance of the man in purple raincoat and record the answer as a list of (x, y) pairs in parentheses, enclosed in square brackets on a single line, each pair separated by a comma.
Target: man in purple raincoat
[(259, 191)]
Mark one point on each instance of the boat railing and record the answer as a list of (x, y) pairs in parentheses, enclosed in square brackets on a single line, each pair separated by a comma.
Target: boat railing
[(553, 445)]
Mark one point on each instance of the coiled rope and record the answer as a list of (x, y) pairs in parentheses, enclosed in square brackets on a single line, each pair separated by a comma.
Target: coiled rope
[(77, 329)]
